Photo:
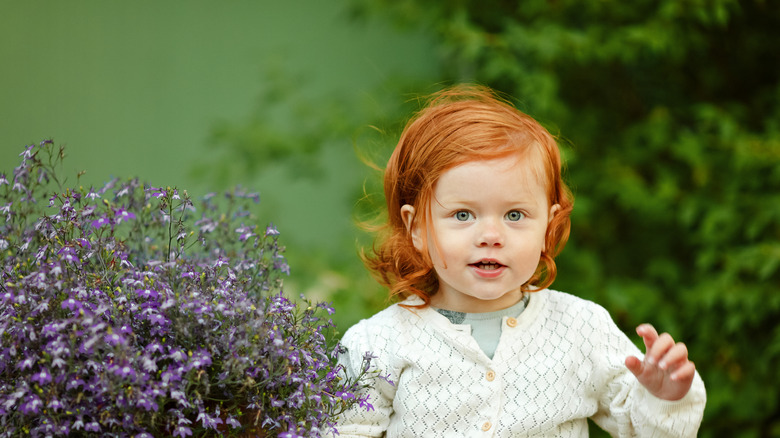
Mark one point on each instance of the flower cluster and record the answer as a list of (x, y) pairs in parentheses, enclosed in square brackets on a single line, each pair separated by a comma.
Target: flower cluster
[(127, 311)]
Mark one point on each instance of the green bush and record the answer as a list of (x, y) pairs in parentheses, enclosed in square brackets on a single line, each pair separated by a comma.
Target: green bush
[(669, 113)]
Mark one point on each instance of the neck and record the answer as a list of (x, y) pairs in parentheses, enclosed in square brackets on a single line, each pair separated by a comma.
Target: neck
[(467, 304)]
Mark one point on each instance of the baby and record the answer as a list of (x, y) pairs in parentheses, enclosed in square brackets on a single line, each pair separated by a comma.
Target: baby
[(478, 345)]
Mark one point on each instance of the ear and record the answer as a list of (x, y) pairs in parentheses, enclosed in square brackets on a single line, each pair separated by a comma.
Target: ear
[(407, 215), (553, 210)]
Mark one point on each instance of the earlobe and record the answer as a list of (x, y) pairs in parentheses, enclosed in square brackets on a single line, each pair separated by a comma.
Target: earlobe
[(407, 215)]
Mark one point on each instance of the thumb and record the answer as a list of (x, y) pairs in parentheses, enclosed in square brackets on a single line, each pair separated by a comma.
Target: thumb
[(634, 365)]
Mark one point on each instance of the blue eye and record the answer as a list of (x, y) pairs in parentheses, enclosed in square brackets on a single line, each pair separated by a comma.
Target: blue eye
[(514, 215), (462, 215)]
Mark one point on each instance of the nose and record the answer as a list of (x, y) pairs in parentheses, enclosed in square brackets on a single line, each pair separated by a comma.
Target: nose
[(490, 234)]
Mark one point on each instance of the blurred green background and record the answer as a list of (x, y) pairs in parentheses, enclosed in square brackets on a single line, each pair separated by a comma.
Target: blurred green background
[(668, 113)]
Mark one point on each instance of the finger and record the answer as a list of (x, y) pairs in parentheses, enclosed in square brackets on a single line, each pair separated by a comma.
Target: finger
[(675, 357), (648, 334), (659, 348), (684, 373), (634, 365)]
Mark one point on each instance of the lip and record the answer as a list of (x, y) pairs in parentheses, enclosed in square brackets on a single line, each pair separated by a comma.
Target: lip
[(488, 273)]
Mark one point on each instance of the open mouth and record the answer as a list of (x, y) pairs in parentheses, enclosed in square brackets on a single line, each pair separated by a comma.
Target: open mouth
[(487, 265)]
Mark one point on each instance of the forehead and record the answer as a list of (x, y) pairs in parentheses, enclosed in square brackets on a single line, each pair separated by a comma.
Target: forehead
[(506, 179)]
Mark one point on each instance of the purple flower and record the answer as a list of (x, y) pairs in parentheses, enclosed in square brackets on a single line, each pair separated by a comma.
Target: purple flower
[(200, 359), (68, 254), (143, 320), (124, 215), (282, 266), (84, 243), (182, 431), (98, 223), (27, 362), (72, 304), (41, 254), (87, 347), (206, 225), (344, 395), (124, 371), (147, 293), (157, 319), (41, 377), (156, 192), (154, 347), (276, 402), (27, 153), (208, 421), (178, 355), (32, 405), (147, 404), (115, 339), (74, 383), (123, 192), (92, 195), (232, 422), (363, 402), (172, 375), (244, 233), (54, 405)]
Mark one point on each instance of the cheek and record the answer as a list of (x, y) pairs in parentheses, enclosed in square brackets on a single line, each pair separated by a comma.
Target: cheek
[(434, 251)]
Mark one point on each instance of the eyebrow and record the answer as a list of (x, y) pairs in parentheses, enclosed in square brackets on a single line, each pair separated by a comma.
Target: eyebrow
[(454, 204)]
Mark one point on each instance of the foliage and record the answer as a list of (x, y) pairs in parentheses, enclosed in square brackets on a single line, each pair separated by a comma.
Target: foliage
[(669, 113), (314, 140), (127, 313)]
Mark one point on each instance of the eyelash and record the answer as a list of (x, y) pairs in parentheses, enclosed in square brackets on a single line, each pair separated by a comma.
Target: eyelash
[(458, 213)]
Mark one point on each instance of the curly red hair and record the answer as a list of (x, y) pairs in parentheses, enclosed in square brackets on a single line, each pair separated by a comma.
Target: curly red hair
[(458, 125)]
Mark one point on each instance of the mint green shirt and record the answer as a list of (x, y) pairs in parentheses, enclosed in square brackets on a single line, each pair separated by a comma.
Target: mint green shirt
[(486, 327)]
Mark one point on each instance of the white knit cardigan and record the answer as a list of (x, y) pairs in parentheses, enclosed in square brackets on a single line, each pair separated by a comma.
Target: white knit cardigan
[(558, 363)]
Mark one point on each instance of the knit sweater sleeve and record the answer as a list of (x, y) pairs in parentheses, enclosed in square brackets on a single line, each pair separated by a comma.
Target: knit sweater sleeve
[(626, 408), (360, 339)]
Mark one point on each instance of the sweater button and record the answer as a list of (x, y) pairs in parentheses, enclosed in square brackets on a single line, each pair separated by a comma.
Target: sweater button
[(511, 322), (490, 375), (486, 426)]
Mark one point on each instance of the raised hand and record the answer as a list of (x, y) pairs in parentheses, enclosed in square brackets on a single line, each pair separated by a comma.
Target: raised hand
[(666, 371)]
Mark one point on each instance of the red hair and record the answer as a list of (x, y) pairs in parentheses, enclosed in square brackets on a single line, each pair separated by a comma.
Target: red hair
[(458, 125)]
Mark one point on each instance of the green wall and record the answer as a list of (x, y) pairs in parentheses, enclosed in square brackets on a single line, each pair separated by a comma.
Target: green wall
[(134, 88)]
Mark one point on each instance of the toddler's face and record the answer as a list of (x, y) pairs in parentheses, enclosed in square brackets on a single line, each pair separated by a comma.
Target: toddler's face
[(488, 221)]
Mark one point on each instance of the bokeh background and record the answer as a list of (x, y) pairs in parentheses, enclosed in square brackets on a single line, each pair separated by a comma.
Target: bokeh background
[(667, 111)]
